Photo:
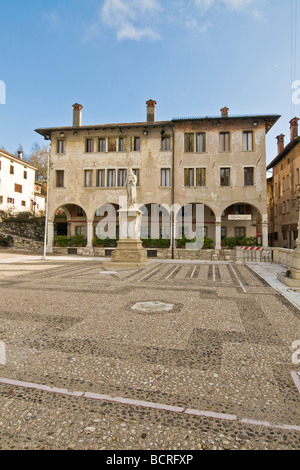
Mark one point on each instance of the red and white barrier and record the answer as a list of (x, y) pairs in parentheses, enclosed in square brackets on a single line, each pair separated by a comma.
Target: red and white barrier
[(252, 248)]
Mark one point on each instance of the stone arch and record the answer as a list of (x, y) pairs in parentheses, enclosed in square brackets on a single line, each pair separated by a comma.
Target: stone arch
[(242, 219), (106, 221), (156, 221), (195, 219), (70, 219)]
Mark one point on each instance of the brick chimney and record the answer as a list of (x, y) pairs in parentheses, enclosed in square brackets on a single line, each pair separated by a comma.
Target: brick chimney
[(224, 112), (294, 128), (150, 111), (77, 115), (280, 143)]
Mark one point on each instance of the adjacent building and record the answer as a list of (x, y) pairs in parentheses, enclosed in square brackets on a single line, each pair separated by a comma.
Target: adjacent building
[(283, 191), (217, 161), (18, 190)]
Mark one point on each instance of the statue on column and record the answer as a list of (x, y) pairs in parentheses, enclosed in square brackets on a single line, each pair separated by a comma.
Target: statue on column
[(131, 182)]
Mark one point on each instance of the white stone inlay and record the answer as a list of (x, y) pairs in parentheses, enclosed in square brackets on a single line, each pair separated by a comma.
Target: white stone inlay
[(152, 306)]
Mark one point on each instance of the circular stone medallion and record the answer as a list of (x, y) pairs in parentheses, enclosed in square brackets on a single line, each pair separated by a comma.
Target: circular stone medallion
[(152, 306)]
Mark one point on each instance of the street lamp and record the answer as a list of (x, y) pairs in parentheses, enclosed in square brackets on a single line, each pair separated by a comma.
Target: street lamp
[(46, 214)]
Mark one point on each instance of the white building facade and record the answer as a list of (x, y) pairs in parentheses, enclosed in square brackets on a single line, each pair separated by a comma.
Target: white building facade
[(17, 184)]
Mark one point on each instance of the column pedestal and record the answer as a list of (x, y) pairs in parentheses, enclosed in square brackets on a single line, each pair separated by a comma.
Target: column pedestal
[(129, 251), (294, 279)]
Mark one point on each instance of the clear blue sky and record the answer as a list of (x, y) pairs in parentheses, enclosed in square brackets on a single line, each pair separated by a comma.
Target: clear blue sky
[(192, 56)]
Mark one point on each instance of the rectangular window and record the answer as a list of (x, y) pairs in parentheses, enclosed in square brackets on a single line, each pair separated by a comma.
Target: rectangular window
[(200, 142), (112, 144), (23, 203), (224, 142), (240, 232), (79, 211), (79, 230), (240, 209), (25, 175), (165, 177), (136, 172), (100, 178), (189, 142), (144, 231), (248, 141), (248, 176), (90, 145), (1, 199), (18, 188), (189, 177), (223, 233), (121, 144), (59, 178), (10, 200), (135, 147), (88, 178), (111, 178), (201, 232), (225, 176), (11, 170), (102, 145), (165, 143), (200, 176), (122, 173), (61, 146)]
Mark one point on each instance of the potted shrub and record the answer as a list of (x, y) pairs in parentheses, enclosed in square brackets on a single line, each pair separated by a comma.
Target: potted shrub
[(61, 241), (77, 240)]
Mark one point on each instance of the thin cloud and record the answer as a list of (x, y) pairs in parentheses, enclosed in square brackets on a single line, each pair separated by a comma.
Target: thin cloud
[(232, 4), (140, 20), (129, 18)]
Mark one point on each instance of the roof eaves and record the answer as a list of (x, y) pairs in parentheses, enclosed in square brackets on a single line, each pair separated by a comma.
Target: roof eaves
[(4, 153), (285, 151)]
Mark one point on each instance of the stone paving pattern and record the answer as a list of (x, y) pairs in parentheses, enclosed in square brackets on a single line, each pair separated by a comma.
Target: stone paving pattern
[(220, 349)]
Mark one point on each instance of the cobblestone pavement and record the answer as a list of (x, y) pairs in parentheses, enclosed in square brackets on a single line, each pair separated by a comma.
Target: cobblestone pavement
[(206, 365)]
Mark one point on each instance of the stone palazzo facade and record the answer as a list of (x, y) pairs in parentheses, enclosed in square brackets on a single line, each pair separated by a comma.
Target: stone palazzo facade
[(218, 161)]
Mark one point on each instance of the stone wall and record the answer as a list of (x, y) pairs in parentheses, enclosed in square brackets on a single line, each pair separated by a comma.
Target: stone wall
[(282, 256), (24, 243), (33, 229)]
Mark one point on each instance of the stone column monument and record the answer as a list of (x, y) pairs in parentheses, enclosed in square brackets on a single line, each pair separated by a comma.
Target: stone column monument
[(129, 251)]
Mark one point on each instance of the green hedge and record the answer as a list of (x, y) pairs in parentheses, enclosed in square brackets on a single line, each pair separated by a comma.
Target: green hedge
[(107, 242), (240, 241), (181, 242), (75, 240), (156, 243)]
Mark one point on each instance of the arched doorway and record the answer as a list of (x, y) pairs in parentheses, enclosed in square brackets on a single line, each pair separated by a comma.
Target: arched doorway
[(195, 220), (156, 222), (241, 221), (106, 222), (70, 220)]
